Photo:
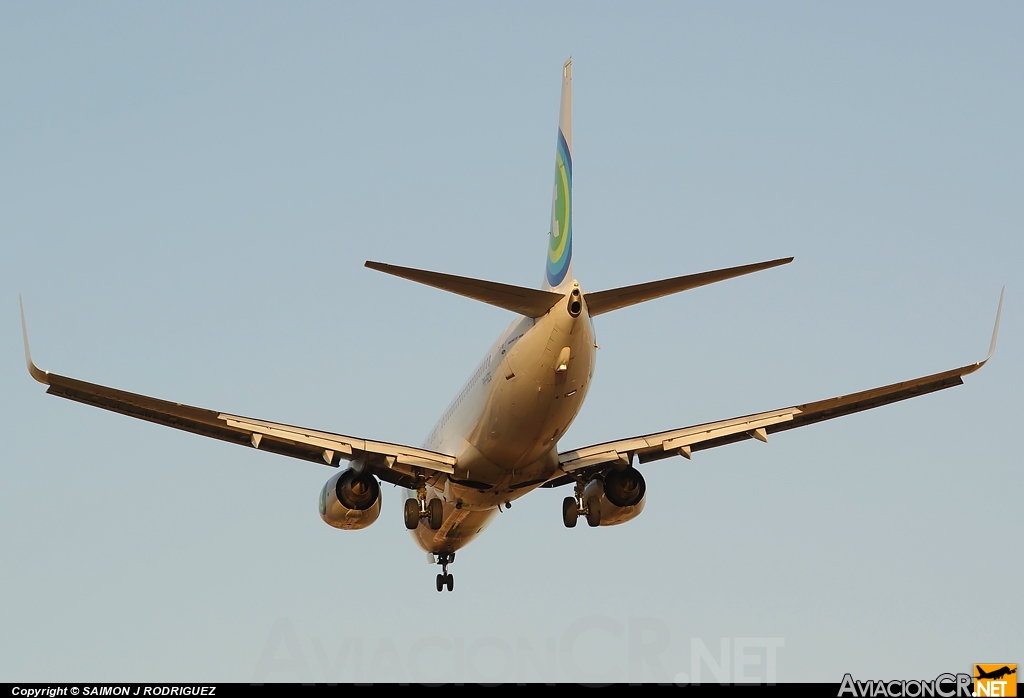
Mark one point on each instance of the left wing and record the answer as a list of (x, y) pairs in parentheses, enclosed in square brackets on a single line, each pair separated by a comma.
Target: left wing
[(682, 442), (394, 463)]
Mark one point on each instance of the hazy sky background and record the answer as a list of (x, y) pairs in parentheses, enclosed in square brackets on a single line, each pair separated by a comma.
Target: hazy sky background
[(187, 196)]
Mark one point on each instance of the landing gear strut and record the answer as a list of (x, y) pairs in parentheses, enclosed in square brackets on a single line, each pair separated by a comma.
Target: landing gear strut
[(420, 508), (445, 579), (575, 507)]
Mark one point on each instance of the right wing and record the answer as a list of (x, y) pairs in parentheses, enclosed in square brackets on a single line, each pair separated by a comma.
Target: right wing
[(583, 462), (394, 463)]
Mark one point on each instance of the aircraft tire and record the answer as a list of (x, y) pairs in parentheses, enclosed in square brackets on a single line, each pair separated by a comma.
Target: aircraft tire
[(570, 512), (593, 512), (440, 582), (450, 582), (436, 511), (412, 514)]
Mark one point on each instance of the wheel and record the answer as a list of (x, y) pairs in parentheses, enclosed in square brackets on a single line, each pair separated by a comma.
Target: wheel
[(412, 514), (436, 511), (440, 582), (570, 512), (593, 512), (450, 582)]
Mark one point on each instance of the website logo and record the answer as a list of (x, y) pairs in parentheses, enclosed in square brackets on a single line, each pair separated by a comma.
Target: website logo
[(995, 680)]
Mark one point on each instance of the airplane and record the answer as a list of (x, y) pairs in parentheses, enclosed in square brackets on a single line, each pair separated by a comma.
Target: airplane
[(499, 438), (995, 674)]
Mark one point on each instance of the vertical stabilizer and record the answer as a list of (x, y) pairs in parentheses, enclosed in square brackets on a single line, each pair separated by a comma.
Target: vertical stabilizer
[(559, 261)]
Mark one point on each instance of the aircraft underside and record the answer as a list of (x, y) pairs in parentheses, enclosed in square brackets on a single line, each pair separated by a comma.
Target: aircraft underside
[(504, 433)]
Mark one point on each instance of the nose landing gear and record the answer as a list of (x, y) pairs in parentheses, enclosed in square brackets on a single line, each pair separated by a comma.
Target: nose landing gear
[(445, 579)]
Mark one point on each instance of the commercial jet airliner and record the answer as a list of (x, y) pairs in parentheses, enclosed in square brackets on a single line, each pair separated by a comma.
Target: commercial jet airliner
[(499, 438)]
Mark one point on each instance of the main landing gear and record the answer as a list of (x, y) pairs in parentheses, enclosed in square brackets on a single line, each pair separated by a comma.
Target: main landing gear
[(420, 508), (445, 579), (575, 507)]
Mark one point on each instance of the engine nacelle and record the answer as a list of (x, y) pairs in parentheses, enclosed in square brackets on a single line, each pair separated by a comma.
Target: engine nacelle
[(350, 500), (620, 495)]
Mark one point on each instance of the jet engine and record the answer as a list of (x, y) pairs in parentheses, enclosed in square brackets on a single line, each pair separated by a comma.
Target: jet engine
[(350, 500), (619, 495)]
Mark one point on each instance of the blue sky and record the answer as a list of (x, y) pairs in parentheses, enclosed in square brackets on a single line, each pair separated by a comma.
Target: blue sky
[(188, 193)]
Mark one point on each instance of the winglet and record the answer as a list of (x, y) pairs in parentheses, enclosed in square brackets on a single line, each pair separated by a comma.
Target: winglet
[(40, 375), (995, 330)]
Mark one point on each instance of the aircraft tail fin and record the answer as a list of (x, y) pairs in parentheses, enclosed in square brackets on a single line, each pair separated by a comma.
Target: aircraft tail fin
[(615, 298), (524, 301), (558, 272)]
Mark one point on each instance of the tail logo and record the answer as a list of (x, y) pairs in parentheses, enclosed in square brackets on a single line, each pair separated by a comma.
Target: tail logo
[(560, 236)]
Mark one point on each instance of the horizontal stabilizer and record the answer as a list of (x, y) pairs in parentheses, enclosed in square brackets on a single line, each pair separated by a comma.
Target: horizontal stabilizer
[(613, 299), (525, 301)]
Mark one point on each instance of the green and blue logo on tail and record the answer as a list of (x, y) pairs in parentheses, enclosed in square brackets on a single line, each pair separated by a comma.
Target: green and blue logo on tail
[(560, 235)]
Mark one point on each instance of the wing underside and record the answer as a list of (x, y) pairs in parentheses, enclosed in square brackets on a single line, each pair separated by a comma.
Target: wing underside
[(583, 462), (394, 463)]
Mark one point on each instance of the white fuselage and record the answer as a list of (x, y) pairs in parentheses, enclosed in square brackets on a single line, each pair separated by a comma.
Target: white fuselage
[(503, 426)]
